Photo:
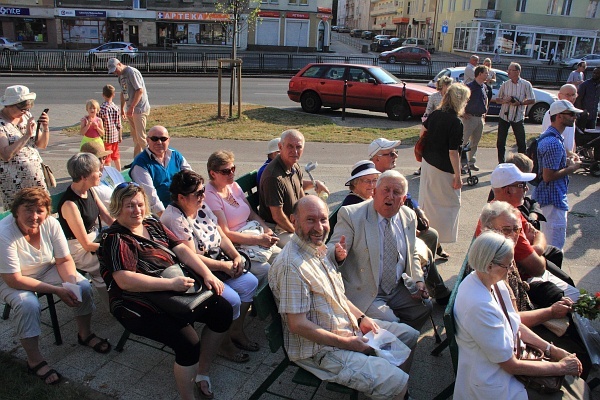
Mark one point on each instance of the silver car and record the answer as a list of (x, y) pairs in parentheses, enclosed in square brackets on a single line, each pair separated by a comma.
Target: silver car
[(592, 60), (114, 49), (535, 111), (8, 45)]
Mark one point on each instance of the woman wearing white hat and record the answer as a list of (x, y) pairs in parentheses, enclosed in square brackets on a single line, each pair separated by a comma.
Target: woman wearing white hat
[(20, 162), (361, 183)]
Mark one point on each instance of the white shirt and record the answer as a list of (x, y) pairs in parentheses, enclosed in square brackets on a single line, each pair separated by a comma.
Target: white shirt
[(568, 134), (401, 244), (522, 90), (109, 180)]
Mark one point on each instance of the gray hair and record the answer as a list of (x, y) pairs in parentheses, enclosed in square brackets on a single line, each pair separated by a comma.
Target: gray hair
[(81, 165), (396, 176), (493, 210), (292, 133), (489, 247), (517, 66)]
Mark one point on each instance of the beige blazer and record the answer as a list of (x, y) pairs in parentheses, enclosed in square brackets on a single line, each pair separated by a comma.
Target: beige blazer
[(360, 271)]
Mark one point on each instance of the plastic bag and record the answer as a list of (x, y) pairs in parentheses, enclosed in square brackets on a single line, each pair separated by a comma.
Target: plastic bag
[(388, 346), (589, 336)]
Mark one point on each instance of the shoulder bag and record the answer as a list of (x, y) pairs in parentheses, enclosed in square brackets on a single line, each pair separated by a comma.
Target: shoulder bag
[(216, 253), (420, 146), (48, 176), (526, 352)]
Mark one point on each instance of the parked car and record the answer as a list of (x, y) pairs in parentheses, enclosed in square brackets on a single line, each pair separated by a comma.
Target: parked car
[(379, 37), (366, 35), (381, 45), (535, 111), (356, 32), (369, 88), (7, 45), (592, 60), (335, 28), (114, 49), (406, 55), (424, 43), (343, 29)]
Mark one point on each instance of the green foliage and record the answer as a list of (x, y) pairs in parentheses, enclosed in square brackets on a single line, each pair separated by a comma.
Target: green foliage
[(588, 306)]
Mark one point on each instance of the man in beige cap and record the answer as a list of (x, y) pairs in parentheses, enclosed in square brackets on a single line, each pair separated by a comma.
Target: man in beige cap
[(272, 152), (135, 96)]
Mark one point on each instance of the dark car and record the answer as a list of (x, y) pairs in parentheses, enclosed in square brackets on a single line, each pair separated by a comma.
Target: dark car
[(356, 32), (368, 88), (366, 35), (406, 55), (381, 45), (343, 29)]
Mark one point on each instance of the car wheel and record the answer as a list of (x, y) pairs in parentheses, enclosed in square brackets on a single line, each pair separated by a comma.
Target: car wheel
[(424, 61), (311, 102), (595, 170), (392, 60), (397, 109), (536, 114)]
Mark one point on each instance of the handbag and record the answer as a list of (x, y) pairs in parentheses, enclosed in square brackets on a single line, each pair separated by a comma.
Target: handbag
[(48, 176), (255, 252), (216, 253), (419, 147), (526, 352)]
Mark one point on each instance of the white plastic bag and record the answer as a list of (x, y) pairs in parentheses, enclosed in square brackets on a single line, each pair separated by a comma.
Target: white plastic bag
[(388, 346), (589, 336)]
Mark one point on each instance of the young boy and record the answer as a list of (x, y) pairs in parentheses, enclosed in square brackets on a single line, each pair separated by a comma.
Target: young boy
[(113, 132)]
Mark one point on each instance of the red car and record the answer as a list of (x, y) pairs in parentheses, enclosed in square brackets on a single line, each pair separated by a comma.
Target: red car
[(369, 88), (406, 55)]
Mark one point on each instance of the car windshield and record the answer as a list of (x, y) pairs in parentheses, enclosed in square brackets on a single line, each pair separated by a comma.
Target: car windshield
[(383, 76)]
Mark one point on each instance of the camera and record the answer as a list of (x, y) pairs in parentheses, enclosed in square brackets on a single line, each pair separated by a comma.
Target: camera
[(513, 99)]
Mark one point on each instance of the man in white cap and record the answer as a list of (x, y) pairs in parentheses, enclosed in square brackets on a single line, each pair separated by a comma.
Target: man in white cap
[(383, 153), (135, 96), (555, 166), (272, 152)]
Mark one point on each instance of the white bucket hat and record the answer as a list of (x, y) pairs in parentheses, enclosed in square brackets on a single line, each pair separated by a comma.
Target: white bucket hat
[(362, 168), (16, 94)]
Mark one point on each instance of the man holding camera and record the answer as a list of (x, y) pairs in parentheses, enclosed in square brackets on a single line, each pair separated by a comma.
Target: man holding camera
[(515, 95)]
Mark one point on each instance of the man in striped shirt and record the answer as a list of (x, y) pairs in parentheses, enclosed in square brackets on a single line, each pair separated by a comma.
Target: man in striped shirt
[(515, 95)]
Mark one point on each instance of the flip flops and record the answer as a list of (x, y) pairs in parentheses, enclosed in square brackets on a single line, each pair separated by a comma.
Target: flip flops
[(101, 347), (204, 378), (35, 369)]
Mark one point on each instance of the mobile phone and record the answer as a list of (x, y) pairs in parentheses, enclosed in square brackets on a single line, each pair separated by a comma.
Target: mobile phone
[(37, 131)]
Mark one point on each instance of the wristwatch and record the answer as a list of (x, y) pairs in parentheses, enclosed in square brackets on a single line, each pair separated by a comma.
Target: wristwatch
[(359, 320), (547, 351)]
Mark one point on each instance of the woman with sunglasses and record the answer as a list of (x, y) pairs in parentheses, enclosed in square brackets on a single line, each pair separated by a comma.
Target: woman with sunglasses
[(132, 256), (193, 222), (228, 202), (487, 327), (20, 161)]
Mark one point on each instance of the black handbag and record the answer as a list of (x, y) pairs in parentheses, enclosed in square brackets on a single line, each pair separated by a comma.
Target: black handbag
[(216, 253)]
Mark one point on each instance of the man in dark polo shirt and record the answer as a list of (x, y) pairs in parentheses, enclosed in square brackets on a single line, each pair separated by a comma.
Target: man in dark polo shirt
[(281, 186), (475, 110)]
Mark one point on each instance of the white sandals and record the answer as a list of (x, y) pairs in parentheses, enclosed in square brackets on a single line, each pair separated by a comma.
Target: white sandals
[(202, 378)]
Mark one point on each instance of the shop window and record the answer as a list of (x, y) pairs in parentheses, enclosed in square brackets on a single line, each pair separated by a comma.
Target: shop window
[(31, 30), (83, 31)]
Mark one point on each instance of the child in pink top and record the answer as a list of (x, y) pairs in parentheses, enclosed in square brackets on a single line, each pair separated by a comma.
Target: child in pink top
[(92, 128)]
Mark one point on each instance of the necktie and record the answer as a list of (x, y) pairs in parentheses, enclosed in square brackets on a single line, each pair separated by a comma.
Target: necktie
[(390, 258)]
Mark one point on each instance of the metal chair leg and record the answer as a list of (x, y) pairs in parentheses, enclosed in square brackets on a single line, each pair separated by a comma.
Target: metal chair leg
[(6, 312), (438, 339), (53, 318), (122, 341)]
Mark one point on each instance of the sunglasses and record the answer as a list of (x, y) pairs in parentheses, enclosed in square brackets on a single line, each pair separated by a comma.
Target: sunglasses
[(392, 154), (507, 230), (369, 181), (226, 171), (511, 265), (520, 185), (123, 185), (157, 138), (199, 193), (24, 105)]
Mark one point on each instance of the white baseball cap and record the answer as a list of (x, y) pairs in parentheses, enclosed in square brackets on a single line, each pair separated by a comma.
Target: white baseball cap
[(382, 144), (273, 145), (506, 174), (563, 105)]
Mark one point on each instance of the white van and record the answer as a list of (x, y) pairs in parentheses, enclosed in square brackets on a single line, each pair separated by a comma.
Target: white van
[(424, 43)]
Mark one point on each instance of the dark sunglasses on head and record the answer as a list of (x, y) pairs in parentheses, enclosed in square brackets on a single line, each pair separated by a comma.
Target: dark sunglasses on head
[(157, 138), (226, 171), (123, 185)]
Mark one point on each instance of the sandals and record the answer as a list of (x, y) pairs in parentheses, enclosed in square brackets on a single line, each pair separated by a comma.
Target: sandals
[(442, 253), (250, 346), (34, 370), (204, 378), (239, 357), (98, 347)]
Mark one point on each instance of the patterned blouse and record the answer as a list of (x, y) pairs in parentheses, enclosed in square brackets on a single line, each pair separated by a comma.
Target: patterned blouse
[(202, 230)]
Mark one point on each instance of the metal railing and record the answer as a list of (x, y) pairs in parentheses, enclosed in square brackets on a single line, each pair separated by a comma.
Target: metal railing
[(168, 62)]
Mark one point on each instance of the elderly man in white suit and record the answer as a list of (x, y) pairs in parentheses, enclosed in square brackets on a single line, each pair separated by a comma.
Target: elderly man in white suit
[(379, 237)]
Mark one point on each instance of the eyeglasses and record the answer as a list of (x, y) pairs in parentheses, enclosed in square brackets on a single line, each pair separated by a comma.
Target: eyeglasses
[(157, 138), (226, 171), (520, 185), (24, 106), (508, 230), (123, 185), (368, 181), (390, 154), (509, 266), (198, 193)]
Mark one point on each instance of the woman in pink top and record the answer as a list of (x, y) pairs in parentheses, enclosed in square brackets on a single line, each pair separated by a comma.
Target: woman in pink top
[(92, 128), (228, 202)]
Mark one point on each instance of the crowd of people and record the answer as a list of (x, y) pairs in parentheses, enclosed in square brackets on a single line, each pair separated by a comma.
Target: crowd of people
[(375, 270)]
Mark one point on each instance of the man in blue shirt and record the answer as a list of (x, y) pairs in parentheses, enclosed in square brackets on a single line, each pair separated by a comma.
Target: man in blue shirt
[(551, 192), (475, 110)]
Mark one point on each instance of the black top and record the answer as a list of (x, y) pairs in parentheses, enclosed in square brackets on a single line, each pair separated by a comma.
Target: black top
[(352, 199), (444, 133), (477, 104), (87, 208)]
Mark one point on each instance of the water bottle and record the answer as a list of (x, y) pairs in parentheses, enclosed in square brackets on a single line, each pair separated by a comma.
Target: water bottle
[(323, 195), (410, 284)]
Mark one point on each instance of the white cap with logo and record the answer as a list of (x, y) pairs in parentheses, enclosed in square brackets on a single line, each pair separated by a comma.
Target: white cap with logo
[(506, 174), (382, 144), (560, 106)]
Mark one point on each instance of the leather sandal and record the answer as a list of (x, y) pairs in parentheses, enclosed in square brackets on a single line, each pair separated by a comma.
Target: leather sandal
[(98, 347), (51, 371), (250, 346), (442, 253), (238, 357), (204, 378)]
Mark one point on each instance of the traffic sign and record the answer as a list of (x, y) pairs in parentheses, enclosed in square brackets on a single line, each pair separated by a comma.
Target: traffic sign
[(444, 29), (445, 22)]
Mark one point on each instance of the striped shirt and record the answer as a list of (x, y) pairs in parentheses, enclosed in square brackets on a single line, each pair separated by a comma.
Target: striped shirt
[(522, 90), (111, 118), (304, 283)]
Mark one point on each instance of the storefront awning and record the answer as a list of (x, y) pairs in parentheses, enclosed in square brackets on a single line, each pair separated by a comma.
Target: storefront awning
[(400, 20)]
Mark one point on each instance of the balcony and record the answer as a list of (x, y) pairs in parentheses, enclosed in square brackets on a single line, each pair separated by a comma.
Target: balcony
[(482, 13)]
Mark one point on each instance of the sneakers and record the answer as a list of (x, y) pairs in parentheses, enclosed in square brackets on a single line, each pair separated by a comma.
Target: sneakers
[(474, 167)]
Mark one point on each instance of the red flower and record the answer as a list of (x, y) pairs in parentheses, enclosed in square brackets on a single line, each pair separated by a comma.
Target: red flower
[(597, 295)]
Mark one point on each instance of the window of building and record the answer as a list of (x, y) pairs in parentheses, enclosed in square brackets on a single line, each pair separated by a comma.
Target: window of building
[(451, 5), (466, 4), (566, 7), (592, 10), (303, 2), (552, 7), (521, 5), (292, 1), (423, 9), (408, 7), (491, 5), (83, 31), (31, 30)]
